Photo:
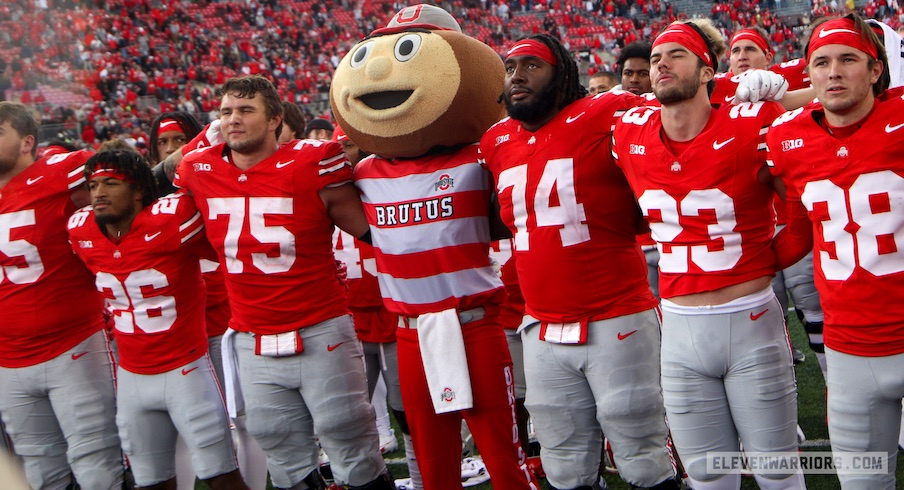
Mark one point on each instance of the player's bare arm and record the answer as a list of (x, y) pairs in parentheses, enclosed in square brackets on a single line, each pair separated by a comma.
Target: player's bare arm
[(343, 205)]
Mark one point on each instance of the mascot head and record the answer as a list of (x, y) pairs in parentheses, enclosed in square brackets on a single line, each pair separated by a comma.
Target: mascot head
[(416, 84)]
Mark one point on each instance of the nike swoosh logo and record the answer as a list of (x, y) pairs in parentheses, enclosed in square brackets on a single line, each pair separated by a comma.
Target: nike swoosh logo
[(718, 146), (77, 355), (829, 32), (148, 238), (283, 164), (572, 119), (891, 129), (331, 348), (623, 336), (758, 315), (32, 181), (729, 98), (186, 371)]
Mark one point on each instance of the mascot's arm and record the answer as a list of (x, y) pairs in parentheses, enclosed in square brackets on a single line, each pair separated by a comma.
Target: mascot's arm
[(498, 230), (343, 206)]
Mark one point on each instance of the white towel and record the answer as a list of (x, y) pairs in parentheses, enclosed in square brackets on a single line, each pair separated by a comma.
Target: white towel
[(235, 401), (894, 47), (445, 362)]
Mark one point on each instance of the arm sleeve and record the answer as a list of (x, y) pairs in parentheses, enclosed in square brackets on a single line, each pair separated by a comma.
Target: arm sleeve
[(795, 240)]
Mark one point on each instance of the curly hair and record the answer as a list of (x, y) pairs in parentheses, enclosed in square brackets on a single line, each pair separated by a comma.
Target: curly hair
[(187, 123), (132, 165)]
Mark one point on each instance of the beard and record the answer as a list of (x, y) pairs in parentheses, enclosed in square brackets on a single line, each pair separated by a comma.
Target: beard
[(685, 89), (533, 111), (247, 146), (114, 218)]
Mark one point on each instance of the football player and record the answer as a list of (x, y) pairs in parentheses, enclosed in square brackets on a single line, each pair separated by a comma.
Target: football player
[(145, 253), (841, 163), (269, 212), (170, 132), (56, 378), (699, 176), (582, 274)]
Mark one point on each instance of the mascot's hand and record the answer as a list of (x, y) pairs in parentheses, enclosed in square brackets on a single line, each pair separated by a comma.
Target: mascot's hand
[(757, 85)]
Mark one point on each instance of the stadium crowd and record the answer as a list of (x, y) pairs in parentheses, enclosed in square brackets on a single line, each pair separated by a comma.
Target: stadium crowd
[(104, 70)]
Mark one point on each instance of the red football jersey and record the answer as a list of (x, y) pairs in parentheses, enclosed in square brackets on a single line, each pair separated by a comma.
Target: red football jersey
[(364, 298), (47, 295), (218, 312), (151, 279), (271, 231), (572, 213), (793, 71), (513, 308), (712, 219), (853, 191), (431, 233)]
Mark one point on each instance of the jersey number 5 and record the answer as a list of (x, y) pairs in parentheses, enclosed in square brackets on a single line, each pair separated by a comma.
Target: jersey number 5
[(19, 248), (556, 184)]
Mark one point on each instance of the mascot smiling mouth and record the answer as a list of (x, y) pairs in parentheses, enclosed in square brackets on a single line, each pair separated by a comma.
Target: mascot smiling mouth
[(386, 100)]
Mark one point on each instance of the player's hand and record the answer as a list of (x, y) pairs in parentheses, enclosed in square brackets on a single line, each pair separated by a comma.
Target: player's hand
[(757, 85), (213, 134), (342, 273)]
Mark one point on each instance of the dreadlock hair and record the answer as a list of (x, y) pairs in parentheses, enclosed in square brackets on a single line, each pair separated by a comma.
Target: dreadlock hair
[(866, 33), (566, 81), (187, 123), (132, 165)]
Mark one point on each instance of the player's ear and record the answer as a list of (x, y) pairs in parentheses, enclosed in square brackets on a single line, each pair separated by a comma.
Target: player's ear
[(28, 145)]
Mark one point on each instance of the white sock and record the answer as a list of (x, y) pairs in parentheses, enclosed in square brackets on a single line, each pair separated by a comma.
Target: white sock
[(379, 403), (413, 470)]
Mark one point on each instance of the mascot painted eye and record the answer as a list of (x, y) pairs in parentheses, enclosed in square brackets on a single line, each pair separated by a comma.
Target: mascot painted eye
[(406, 47), (360, 54)]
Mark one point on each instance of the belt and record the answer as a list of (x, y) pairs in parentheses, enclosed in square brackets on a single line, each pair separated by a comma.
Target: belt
[(464, 317)]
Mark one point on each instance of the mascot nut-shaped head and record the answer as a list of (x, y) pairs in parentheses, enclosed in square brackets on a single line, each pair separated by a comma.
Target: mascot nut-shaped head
[(416, 84)]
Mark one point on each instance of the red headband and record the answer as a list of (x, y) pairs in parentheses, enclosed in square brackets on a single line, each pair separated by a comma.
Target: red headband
[(687, 36), (531, 47), (841, 31), (339, 134), (110, 173), (754, 37), (169, 125)]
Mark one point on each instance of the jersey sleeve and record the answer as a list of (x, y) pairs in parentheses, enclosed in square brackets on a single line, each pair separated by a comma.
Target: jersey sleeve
[(209, 136), (78, 231), (611, 106), (72, 165), (333, 167)]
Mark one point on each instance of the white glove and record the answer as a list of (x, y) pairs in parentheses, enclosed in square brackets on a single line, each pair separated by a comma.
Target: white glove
[(213, 134), (757, 85)]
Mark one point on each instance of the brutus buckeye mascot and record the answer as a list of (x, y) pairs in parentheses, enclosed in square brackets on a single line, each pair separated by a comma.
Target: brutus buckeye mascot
[(418, 94)]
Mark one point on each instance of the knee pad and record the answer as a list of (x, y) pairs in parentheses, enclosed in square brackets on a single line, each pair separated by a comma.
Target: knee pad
[(814, 333)]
